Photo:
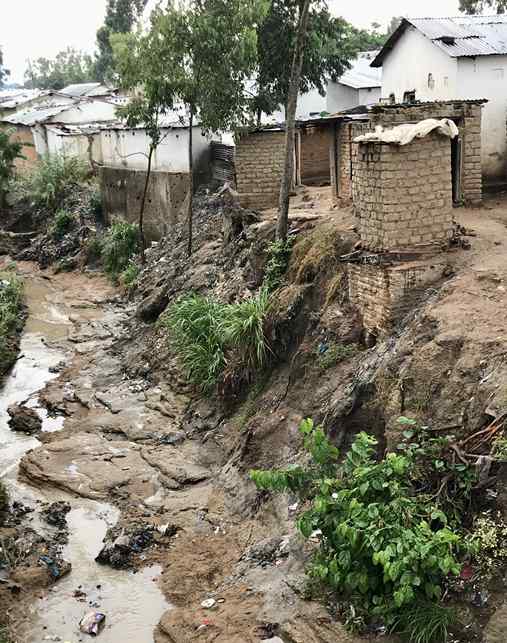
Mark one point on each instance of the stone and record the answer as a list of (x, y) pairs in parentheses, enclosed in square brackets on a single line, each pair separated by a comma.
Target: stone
[(24, 419), (152, 306)]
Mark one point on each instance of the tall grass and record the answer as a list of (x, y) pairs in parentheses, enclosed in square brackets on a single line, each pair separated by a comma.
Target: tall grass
[(426, 623), (119, 245), (53, 178), (206, 333)]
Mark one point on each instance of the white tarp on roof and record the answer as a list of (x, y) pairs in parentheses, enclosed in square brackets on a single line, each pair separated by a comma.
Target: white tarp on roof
[(404, 134)]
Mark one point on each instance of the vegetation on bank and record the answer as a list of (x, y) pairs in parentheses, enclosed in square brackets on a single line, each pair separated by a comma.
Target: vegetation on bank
[(11, 291), (219, 342), (117, 248), (382, 543)]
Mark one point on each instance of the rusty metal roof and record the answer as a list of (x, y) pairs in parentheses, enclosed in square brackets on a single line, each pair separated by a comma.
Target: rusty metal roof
[(457, 37)]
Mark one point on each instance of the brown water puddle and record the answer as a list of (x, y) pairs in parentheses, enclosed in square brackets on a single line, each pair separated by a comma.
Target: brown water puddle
[(133, 603)]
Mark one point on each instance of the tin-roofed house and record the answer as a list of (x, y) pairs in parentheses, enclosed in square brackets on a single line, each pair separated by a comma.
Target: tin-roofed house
[(444, 59)]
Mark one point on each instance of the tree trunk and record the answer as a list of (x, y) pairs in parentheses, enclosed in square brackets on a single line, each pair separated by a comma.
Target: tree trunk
[(142, 238), (190, 212), (290, 120)]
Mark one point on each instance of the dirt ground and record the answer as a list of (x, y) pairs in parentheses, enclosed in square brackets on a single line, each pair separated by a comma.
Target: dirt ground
[(143, 440)]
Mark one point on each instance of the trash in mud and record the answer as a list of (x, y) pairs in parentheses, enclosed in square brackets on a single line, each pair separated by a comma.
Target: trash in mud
[(56, 514), (57, 568), (79, 595), (92, 623), (118, 552), (208, 603)]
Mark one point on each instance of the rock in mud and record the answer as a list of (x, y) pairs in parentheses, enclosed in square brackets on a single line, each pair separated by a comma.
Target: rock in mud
[(56, 514), (150, 309), (24, 419)]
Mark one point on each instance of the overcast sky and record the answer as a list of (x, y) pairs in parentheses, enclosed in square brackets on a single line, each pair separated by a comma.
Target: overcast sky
[(34, 28)]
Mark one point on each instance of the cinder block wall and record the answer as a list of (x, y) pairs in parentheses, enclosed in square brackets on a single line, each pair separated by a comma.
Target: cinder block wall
[(122, 192), (403, 194), (384, 295), (315, 155), (259, 163)]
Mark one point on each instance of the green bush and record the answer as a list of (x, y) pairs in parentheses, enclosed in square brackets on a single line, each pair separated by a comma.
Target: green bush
[(279, 253), (381, 545), (61, 224), (205, 332), (11, 292), (119, 245), (53, 178), (129, 276), (335, 353)]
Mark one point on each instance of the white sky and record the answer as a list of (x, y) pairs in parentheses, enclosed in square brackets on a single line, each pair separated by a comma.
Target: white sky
[(34, 28)]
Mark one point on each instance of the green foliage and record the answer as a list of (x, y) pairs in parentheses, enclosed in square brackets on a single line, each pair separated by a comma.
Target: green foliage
[(335, 353), (483, 6), (11, 292), (119, 245), (67, 68), (53, 179), (205, 332), (330, 45), (10, 150), (62, 223), (437, 473), (381, 545), (279, 253), (426, 622), (499, 450), (96, 205), (489, 538), (369, 39), (130, 275), (121, 16)]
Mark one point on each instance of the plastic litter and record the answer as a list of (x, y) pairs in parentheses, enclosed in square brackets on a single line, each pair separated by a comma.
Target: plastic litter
[(92, 623), (404, 134), (208, 603)]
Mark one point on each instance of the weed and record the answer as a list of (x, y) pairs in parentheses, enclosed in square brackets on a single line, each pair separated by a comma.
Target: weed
[(499, 450), (380, 544), (120, 244), (278, 260), (96, 205), (329, 355), (489, 536), (317, 252), (426, 623), (53, 178), (205, 332), (62, 223), (129, 276)]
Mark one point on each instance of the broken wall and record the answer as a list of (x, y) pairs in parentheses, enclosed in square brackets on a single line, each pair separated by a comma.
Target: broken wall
[(122, 192), (403, 193), (259, 161)]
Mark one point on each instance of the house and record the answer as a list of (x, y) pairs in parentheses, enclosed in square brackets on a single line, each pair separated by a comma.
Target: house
[(443, 59), (360, 85)]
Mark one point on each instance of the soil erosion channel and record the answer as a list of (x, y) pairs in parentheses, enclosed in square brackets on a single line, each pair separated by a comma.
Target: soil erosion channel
[(132, 602)]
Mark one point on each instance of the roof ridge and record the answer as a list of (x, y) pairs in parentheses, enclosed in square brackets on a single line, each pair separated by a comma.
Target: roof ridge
[(464, 15)]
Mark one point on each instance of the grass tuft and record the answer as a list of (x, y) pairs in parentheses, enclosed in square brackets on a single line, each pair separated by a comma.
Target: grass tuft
[(426, 623), (119, 245)]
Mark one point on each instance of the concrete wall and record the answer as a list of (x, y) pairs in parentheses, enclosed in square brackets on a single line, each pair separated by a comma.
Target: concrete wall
[(122, 192), (403, 194), (259, 163), (316, 144), (486, 76), (369, 96), (340, 97), (408, 65), (87, 111), (128, 148)]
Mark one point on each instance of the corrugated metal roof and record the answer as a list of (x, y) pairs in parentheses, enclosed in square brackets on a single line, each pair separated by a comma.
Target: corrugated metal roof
[(361, 75), (39, 114), (87, 89), (12, 98), (457, 37)]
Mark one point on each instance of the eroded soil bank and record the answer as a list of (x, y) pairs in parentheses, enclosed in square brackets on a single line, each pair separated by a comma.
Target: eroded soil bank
[(175, 463)]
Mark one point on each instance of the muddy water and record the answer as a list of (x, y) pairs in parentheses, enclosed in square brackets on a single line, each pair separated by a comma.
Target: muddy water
[(133, 603)]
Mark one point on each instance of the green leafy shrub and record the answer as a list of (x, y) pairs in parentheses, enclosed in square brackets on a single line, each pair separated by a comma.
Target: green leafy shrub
[(53, 178), (380, 545), (335, 353), (129, 276), (205, 332), (437, 472), (11, 292), (62, 223), (279, 253), (119, 245)]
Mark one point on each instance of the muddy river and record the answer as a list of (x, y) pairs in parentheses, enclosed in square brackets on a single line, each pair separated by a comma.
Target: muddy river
[(132, 602)]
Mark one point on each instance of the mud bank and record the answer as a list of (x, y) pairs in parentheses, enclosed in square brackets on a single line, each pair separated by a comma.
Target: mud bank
[(38, 606)]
